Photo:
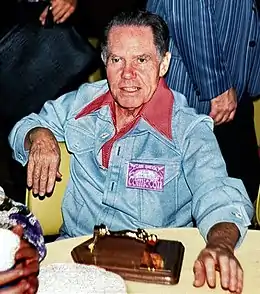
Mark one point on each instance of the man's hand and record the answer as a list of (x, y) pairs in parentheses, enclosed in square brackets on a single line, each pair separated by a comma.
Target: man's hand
[(61, 10), (223, 107), (11, 277), (24, 275), (219, 256), (222, 259), (44, 160)]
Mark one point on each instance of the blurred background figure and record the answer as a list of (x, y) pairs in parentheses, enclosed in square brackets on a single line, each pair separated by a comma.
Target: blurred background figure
[(35, 69)]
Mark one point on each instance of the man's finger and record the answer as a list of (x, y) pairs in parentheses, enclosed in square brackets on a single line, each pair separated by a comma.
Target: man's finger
[(233, 275), (199, 273), (232, 115), (30, 168), (43, 180), (210, 270), (240, 279), (19, 288), (10, 276), (216, 113), (218, 118), (36, 178), (66, 15), (52, 176), (223, 120), (224, 271), (60, 9), (58, 175), (58, 12), (43, 16), (213, 114)]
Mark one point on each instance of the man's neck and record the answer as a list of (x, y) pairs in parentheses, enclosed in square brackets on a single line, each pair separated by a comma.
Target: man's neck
[(124, 116)]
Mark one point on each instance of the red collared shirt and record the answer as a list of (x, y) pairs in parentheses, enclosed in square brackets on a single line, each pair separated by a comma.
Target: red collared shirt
[(157, 112)]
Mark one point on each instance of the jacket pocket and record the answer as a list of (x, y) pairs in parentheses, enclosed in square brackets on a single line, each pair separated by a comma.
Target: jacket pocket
[(78, 139), (152, 207)]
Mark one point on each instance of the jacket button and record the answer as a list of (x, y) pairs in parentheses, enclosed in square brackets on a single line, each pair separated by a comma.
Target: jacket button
[(252, 43), (104, 135), (197, 92)]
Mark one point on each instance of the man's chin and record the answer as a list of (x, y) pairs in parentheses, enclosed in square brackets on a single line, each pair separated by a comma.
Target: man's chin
[(129, 106)]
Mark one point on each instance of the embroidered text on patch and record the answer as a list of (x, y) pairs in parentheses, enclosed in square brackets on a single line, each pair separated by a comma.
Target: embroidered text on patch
[(145, 176)]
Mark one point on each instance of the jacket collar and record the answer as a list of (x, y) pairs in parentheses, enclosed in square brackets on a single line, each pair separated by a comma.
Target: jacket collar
[(157, 112)]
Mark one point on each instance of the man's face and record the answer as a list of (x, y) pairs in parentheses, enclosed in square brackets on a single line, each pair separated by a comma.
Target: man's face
[(133, 65)]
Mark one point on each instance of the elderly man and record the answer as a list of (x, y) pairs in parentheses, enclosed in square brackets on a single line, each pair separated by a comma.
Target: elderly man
[(22, 278), (140, 157)]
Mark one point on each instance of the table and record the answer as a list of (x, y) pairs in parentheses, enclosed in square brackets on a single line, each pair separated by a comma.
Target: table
[(248, 254)]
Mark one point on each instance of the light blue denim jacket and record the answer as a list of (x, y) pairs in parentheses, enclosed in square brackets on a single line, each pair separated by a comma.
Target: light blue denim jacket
[(196, 186)]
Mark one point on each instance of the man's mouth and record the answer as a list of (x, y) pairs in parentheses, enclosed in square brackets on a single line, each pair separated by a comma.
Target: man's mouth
[(130, 89)]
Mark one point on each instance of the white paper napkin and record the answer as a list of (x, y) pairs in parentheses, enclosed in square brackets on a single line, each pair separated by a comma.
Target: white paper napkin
[(73, 278)]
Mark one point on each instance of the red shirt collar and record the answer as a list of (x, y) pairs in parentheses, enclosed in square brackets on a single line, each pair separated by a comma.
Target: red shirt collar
[(157, 112)]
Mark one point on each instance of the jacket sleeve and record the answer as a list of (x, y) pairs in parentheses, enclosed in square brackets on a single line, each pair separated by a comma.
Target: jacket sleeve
[(13, 213), (193, 31), (216, 197), (53, 116)]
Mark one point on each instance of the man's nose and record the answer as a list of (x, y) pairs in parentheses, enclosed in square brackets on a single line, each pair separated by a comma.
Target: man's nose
[(128, 71)]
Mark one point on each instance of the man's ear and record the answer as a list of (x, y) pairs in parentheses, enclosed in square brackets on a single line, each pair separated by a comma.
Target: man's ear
[(103, 58), (165, 64)]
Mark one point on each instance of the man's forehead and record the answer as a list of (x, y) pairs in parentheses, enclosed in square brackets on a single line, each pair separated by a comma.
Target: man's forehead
[(130, 31), (130, 36)]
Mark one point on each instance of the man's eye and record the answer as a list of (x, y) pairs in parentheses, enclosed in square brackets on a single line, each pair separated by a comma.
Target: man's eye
[(142, 59), (115, 59)]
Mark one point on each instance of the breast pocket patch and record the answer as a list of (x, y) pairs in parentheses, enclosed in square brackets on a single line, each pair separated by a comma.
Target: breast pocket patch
[(145, 176)]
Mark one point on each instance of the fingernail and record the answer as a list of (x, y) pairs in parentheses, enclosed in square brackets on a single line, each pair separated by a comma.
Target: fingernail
[(195, 283)]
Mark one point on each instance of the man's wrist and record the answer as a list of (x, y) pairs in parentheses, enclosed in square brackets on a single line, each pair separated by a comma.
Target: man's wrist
[(30, 137), (32, 133), (224, 235)]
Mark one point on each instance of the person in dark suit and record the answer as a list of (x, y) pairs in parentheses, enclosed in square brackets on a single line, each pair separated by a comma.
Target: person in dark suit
[(215, 48)]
